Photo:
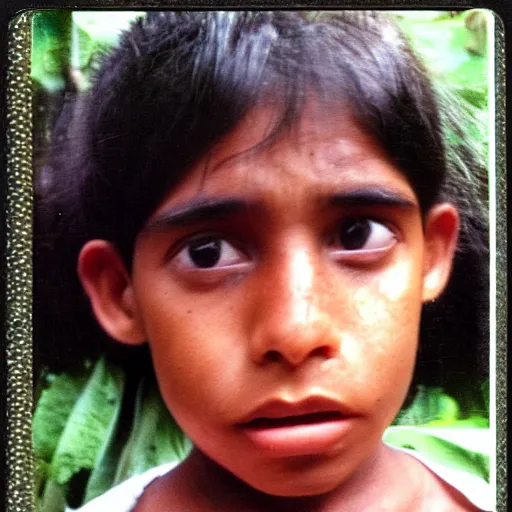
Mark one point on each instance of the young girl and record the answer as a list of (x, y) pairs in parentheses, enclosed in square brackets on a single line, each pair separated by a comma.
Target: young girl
[(264, 200)]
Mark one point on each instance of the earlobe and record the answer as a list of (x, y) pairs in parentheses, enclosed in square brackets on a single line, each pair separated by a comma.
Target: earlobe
[(441, 233), (107, 283)]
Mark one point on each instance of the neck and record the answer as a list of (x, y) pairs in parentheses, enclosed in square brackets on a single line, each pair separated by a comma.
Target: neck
[(212, 487)]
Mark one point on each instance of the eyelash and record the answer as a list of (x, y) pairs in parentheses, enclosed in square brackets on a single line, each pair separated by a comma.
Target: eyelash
[(215, 245), (386, 238), (204, 240)]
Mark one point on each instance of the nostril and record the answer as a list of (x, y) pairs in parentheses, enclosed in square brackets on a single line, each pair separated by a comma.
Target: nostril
[(323, 351), (273, 356)]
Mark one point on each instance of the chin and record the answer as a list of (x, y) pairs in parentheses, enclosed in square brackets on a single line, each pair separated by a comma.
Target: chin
[(297, 485)]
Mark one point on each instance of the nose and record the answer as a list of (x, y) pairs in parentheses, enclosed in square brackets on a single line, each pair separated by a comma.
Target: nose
[(295, 322)]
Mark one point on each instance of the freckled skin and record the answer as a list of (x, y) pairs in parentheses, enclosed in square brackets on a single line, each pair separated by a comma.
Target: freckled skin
[(291, 316), (211, 362)]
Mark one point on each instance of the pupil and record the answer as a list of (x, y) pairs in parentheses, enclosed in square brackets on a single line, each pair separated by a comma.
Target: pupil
[(354, 234), (205, 253)]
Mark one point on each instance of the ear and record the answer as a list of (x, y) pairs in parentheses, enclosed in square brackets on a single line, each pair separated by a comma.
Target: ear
[(441, 233), (108, 285)]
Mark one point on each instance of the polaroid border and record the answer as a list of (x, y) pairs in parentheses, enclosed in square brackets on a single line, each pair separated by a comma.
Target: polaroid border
[(16, 460)]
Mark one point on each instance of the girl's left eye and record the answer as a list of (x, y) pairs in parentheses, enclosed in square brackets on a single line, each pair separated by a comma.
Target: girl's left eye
[(363, 235), (208, 252)]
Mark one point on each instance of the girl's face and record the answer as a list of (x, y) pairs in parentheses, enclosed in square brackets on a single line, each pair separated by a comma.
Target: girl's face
[(280, 290)]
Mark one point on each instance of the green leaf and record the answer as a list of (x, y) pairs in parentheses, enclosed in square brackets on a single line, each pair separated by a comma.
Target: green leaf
[(443, 451), (103, 474), (51, 46), (429, 404), (41, 475), (52, 411), (477, 97), (442, 43), (53, 499), (90, 423), (155, 437), (471, 422)]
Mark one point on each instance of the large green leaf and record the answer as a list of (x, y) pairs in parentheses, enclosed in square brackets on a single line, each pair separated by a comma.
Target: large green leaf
[(53, 410), (155, 438), (53, 499), (468, 453), (90, 424), (103, 474)]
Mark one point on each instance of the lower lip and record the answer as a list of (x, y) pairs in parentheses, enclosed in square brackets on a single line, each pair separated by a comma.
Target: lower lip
[(300, 439)]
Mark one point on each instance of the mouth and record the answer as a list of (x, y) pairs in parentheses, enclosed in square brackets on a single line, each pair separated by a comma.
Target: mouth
[(291, 421), (312, 426)]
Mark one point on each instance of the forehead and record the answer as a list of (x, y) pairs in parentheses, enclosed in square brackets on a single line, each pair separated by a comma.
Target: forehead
[(324, 151)]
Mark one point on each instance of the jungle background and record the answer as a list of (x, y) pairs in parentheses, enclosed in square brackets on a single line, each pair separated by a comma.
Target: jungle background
[(93, 427)]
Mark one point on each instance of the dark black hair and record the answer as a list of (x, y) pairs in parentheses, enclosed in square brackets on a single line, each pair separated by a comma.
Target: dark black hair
[(177, 83)]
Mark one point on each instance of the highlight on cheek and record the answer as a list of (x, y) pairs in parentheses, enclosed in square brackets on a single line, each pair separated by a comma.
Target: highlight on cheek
[(396, 283), (377, 320)]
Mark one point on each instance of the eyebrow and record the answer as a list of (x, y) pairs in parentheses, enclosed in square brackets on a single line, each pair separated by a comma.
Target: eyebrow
[(376, 196), (197, 210), (203, 209)]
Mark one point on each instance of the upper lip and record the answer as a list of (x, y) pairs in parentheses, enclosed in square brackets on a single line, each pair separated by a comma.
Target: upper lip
[(279, 408)]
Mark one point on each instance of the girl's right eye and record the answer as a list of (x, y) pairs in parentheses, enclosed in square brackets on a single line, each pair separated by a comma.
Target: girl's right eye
[(208, 252)]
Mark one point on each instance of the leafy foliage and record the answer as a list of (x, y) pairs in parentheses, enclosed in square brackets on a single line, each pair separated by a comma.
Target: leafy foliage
[(79, 440), (454, 48), (65, 44), (467, 455), (431, 407)]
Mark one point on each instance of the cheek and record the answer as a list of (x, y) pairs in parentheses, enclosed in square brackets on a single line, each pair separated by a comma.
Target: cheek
[(190, 347), (385, 335), (401, 283)]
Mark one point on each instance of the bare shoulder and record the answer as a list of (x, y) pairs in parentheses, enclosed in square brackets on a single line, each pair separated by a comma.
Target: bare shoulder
[(442, 497), (433, 492), (175, 490), (450, 499), (159, 496)]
